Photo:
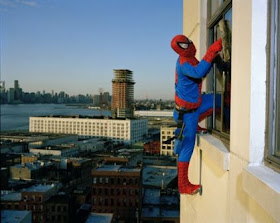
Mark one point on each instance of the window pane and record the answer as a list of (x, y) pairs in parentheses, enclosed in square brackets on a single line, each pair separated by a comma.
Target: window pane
[(215, 4), (277, 125), (274, 86), (277, 149), (220, 80)]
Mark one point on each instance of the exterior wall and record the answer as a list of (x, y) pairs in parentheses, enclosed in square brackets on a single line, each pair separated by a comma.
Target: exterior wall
[(166, 133), (117, 192), (35, 201), (237, 187), (63, 152), (28, 159), (23, 172), (152, 148), (127, 131), (57, 210), (46, 152)]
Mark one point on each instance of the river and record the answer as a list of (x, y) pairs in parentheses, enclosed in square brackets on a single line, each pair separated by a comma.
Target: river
[(16, 117)]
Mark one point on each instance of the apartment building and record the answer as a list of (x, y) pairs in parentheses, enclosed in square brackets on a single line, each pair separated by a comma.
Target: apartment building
[(118, 130), (117, 189), (166, 132), (34, 199)]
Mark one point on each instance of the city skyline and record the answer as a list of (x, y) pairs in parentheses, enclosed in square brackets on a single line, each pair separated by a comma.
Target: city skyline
[(69, 45)]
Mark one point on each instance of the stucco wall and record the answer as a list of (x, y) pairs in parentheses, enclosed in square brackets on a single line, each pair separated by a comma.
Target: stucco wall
[(224, 198)]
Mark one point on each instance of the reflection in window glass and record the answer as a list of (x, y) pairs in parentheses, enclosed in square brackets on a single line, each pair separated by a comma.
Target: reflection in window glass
[(274, 85), (215, 4), (219, 80)]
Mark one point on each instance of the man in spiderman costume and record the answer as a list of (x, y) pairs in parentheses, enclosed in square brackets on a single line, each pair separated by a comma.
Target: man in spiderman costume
[(191, 106)]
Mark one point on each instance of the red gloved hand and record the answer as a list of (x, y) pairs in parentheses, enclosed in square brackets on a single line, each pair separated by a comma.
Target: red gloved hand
[(213, 50)]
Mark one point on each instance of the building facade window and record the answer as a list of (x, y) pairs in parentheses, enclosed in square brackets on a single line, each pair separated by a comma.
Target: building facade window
[(273, 87), (219, 79)]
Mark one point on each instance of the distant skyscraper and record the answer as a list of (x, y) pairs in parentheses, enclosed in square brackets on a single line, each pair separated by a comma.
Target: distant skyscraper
[(2, 85), (16, 84), (122, 94)]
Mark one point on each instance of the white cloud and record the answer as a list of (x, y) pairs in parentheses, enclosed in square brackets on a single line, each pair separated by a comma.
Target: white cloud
[(15, 3), (27, 3), (7, 3)]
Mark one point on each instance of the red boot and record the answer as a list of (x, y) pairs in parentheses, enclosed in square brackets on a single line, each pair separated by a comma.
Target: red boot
[(184, 185), (201, 130)]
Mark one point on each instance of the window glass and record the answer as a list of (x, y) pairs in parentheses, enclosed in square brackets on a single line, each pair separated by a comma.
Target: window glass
[(274, 86), (219, 80), (215, 4)]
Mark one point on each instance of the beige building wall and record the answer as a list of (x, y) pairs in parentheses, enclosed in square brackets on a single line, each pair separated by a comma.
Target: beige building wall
[(237, 185), (166, 132)]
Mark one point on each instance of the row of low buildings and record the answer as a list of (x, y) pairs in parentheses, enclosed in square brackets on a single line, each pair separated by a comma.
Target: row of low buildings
[(86, 188)]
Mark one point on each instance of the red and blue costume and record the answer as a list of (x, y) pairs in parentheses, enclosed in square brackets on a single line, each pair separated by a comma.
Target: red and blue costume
[(191, 106)]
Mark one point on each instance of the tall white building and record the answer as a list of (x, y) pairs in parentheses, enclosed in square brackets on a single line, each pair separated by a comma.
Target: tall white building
[(166, 132), (119, 130), (239, 165)]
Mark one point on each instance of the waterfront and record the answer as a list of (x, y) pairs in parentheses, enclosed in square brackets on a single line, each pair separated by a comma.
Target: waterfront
[(16, 117)]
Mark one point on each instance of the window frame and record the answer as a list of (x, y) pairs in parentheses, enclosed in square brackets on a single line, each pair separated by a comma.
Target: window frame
[(212, 20), (273, 86)]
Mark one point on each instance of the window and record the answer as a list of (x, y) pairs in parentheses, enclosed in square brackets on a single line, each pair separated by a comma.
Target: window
[(219, 79), (273, 121)]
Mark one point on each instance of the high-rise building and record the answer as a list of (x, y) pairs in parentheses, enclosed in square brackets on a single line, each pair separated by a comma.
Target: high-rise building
[(2, 85), (122, 94), (16, 84)]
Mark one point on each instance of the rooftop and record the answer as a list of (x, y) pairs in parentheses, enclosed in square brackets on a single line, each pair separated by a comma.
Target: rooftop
[(32, 166), (14, 196), (118, 168), (30, 136), (57, 147), (170, 213), (151, 196), (150, 212), (12, 216), (100, 218), (156, 175), (158, 205), (39, 188), (83, 117)]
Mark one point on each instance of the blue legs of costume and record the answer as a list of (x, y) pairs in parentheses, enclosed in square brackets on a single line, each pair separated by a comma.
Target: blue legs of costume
[(184, 146)]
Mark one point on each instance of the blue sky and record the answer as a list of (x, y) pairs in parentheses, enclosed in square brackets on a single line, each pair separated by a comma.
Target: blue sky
[(74, 45)]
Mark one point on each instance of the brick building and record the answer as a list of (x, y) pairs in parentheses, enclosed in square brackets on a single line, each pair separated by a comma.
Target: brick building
[(34, 199), (152, 148), (117, 189), (10, 200), (58, 209)]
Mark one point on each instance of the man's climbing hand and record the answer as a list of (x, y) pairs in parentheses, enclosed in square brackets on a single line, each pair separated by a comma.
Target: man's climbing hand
[(213, 51)]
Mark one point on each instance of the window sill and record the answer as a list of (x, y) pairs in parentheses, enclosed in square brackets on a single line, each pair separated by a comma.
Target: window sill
[(263, 185), (215, 149)]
